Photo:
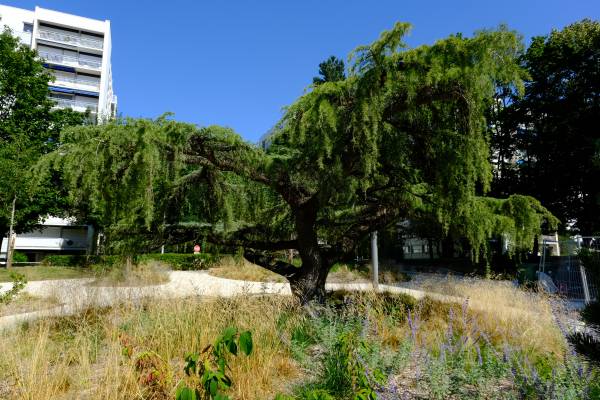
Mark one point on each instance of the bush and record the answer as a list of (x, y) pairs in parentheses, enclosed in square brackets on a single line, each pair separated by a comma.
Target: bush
[(19, 257), (18, 283), (180, 262), (79, 260)]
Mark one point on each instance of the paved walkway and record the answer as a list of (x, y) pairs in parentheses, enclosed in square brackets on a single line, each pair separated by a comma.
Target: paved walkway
[(77, 294)]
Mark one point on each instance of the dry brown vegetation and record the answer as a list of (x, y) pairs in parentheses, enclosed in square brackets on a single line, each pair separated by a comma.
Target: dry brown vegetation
[(24, 302), (97, 354), (144, 274), (83, 356), (230, 268)]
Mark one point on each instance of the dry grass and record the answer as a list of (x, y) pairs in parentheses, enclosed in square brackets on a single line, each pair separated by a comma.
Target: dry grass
[(43, 272), (82, 357), (507, 312), (145, 274), (26, 303), (346, 274), (230, 268)]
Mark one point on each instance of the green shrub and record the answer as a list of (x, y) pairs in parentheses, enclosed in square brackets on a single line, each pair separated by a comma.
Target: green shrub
[(18, 283), (78, 260), (590, 259), (211, 366), (180, 262), (19, 257)]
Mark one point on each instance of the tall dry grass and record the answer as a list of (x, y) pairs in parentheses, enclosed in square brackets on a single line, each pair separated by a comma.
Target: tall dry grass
[(507, 312), (82, 357), (95, 355), (230, 268)]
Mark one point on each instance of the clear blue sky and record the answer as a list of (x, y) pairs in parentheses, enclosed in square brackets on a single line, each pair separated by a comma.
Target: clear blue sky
[(237, 63)]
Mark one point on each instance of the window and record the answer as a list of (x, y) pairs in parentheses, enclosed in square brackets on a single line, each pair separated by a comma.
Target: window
[(27, 27)]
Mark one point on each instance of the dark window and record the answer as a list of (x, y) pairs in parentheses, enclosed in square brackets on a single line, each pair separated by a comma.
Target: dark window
[(27, 27)]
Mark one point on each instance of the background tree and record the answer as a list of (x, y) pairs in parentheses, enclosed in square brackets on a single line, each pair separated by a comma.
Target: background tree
[(403, 134), (548, 140), (28, 129), (330, 70)]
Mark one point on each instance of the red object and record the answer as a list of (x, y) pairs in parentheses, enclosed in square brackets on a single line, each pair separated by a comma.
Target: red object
[(197, 249)]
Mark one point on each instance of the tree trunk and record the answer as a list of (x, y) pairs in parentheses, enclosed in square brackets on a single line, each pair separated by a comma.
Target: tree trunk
[(11, 235), (308, 284)]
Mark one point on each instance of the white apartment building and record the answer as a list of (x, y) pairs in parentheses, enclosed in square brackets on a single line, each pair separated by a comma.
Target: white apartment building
[(76, 50)]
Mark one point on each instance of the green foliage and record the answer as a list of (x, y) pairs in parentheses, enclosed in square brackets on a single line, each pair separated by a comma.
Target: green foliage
[(403, 136), (177, 262), (182, 262), (590, 259), (330, 70), (19, 257), (28, 129), (586, 344), (18, 283), (66, 260), (211, 365), (551, 131)]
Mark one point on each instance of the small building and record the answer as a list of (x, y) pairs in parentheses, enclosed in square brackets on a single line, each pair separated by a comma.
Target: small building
[(56, 235)]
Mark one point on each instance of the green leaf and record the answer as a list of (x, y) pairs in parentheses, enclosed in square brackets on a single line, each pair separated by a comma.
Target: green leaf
[(186, 393), (246, 342), (191, 364), (232, 347), (228, 334), (221, 397), (212, 388)]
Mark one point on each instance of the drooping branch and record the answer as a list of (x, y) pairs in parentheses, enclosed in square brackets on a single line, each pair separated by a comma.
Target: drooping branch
[(203, 152), (271, 263)]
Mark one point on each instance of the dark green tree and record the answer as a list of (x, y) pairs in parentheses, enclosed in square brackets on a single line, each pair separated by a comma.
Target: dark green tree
[(548, 140), (404, 134), (330, 70), (28, 128)]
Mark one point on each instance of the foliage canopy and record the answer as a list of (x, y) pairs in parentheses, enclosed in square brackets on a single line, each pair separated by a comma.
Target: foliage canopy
[(28, 128), (403, 135)]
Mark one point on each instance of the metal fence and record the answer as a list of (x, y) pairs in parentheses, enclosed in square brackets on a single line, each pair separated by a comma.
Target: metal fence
[(560, 260)]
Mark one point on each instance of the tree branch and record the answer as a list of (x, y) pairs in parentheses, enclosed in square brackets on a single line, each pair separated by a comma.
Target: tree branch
[(271, 263)]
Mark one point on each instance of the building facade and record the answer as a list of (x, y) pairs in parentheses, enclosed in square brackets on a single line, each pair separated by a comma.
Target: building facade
[(77, 51)]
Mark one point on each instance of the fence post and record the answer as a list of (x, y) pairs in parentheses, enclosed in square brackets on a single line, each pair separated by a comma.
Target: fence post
[(584, 282), (375, 260)]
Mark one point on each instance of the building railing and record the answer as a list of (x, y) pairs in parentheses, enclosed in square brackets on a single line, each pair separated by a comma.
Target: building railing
[(77, 81), (72, 39), (74, 104), (70, 60)]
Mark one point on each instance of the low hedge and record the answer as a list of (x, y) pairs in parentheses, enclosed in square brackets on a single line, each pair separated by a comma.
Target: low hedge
[(180, 262)]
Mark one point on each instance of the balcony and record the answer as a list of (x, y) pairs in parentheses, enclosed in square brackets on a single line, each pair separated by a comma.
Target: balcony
[(77, 82), (71, 61), (71, 39), (75, 105)]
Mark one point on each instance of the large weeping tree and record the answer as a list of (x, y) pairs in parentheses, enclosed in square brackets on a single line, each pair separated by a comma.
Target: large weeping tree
[(402, 136)]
